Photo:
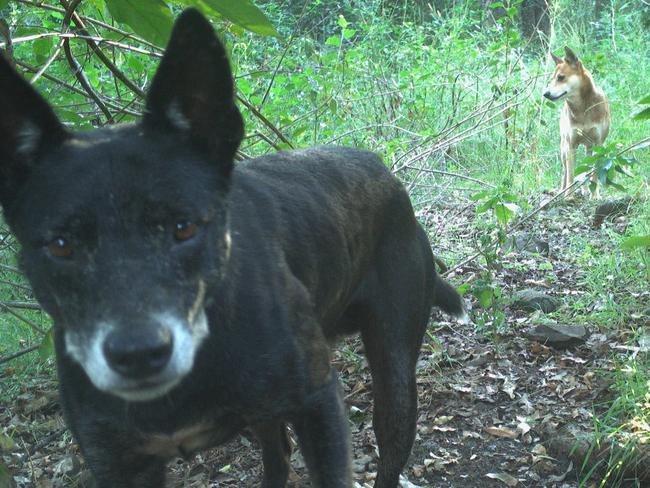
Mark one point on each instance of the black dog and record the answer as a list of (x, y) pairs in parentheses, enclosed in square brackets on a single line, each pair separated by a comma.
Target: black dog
[(192, 298)]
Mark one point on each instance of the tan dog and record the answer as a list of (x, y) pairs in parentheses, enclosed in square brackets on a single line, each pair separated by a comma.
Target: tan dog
[(585, 115)]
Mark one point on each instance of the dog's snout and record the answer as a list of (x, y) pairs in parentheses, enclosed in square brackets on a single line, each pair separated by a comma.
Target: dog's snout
[(140, 354), (547, 94)]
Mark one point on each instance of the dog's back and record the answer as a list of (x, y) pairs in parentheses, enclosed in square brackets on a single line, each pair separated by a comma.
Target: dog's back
[(348, 202)]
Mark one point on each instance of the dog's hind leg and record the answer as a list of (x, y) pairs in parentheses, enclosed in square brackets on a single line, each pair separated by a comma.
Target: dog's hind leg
[(276, 451), (400, 297)]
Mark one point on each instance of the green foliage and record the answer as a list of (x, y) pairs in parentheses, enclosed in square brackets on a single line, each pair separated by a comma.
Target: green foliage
[(46, 348), (241, 12), (5, 476), (151, 19), (606, 162), (636, 242), (489, 296), (501, 201), (644, 112)]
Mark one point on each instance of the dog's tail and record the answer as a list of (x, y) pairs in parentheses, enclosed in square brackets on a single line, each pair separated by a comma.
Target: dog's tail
[(449, 300)]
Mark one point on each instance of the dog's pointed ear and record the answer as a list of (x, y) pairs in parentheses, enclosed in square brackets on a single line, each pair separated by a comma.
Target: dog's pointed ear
[(192, 92), (571, 58), (28, 126), (557, 59)]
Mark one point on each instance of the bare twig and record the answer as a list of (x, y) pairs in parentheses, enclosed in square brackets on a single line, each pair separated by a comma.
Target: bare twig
[(47, 64), (15, 285), (76, 68), (23, 319), (4, 32), (455, 175), (71, 35), (13, 269), (70, 10), (15, 355), (68, 86), (90, 20), (20, 304), (264, 120)]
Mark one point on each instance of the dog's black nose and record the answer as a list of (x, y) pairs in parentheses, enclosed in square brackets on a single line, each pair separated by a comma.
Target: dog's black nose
[(138, 354), (547, 94)]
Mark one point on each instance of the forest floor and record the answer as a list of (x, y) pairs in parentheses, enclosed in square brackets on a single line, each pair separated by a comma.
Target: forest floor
[(490, 399)]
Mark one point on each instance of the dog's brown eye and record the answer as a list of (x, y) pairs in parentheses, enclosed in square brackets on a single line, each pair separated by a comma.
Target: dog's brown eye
[(185, 230), (60, 248), (560, 77)]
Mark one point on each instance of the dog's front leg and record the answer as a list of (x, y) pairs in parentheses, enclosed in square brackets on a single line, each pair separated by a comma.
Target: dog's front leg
[(568, 151), (276, 451), (324, 438), (117, 467)]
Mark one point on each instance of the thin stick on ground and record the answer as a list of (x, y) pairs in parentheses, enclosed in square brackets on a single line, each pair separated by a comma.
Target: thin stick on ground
[(16, 355)]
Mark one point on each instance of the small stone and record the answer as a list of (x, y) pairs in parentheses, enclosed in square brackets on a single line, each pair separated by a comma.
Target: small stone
[(611, 208), (532, 300), (559, 336), (528, 243), (360, 465), (68, 466)]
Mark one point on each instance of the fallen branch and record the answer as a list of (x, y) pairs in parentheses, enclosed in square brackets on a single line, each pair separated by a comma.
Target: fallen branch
[(23, 305), (34, 327), (15, 355)]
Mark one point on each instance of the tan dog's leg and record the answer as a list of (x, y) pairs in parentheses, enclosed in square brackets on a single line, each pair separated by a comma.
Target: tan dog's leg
[(568, 155)]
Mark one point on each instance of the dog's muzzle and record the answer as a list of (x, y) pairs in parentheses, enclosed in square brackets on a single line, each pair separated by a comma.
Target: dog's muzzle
[(139, 354), (139, 361), (553, 98)]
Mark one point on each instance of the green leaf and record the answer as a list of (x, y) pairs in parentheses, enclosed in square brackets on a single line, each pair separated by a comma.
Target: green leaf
[(491, 203), (300, 130), (333, 41), (616, 186), (6, 443), (485, 297), (480, 195), (46, 349), (348, 33), (5, 476), (135, 64), (643, 114), (644, 100), (241, 12), (503, 213), (3, 3), (342, 22), (636, 241), (463, 289), (41, 48), (150, 19)]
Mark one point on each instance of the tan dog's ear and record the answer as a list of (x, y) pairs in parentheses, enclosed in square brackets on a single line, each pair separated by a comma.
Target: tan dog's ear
[(557, 59), (571, 58)]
